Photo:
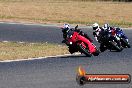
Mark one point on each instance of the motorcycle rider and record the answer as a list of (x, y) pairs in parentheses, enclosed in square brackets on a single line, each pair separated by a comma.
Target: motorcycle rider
[(98, 31), (111, 32), (98, 34)]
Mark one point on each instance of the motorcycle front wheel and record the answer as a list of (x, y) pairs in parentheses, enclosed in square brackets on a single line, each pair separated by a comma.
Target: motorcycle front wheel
[(125, 43), (115, 46)]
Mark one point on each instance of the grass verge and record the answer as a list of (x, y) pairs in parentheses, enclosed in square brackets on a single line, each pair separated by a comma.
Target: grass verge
[(70, 11), (13, 50)]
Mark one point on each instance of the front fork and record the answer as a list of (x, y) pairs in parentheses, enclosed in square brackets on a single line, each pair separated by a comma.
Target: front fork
[(117, 40)]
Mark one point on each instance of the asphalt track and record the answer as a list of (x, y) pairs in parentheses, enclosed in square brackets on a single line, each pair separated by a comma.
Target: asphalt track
[(29, 33), (59, 72)]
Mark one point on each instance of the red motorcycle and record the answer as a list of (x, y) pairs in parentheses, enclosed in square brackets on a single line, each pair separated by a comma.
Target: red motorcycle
[(79, 43)]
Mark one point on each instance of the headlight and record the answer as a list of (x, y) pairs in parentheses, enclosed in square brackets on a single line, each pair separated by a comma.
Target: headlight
[(119, 35), (117, 38), (70, 43)]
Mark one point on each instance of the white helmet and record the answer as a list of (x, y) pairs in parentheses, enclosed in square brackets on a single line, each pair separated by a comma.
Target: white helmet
[(95, 26), (106, 26), (66, 26)]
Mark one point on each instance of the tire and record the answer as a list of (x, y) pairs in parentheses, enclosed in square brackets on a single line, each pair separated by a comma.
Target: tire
[(102, 49), (125, 43), (117, 48), (83, 50), (96, 53)]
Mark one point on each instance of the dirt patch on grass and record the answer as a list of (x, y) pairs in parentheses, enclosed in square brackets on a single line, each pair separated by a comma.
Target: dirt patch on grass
[(60, 11), (13, 51)]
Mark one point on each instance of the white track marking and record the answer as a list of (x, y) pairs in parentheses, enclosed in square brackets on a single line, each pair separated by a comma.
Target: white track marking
[(29, 59), (5, 41), (30, 24)]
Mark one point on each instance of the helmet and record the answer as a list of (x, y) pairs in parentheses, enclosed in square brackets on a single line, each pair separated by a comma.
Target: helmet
[(65, 27), (118, 29), (106, 26), (95, 26)]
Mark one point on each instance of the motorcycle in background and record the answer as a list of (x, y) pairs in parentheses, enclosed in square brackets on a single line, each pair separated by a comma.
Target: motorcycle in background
[(121, 35), (110, 42)]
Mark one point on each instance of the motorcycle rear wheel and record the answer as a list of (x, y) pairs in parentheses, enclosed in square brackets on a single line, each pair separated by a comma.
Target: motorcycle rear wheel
[(96, 53)]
